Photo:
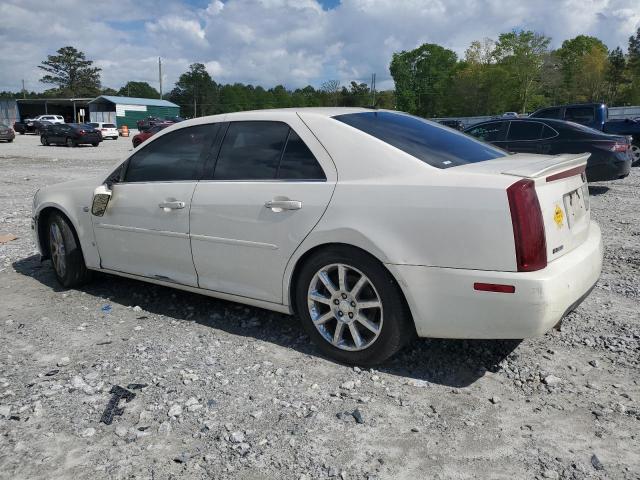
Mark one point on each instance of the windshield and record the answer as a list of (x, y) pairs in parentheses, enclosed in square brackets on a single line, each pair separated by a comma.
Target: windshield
[(435, 145)]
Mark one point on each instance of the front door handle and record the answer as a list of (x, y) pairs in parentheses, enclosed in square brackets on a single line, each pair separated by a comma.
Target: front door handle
[(174, 205), (281, 205)]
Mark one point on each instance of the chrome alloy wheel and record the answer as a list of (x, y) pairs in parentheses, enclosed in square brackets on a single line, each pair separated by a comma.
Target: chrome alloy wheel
[(345, 307), (58, 252)]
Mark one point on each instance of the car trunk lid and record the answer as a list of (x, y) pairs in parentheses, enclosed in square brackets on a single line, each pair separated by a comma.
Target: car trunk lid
[(562, 191)]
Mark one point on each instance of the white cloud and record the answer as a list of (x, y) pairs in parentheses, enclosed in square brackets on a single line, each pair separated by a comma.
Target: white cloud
[(268, 42)]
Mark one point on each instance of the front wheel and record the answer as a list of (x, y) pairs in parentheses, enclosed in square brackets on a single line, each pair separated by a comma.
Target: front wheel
[(352, 307), (44, 141), (635, 154), (95, 144), (71, 142), (65, 252)]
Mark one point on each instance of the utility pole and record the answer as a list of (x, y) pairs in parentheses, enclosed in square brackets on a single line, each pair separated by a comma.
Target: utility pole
[(24, 92), (373, 89), (160, 75)]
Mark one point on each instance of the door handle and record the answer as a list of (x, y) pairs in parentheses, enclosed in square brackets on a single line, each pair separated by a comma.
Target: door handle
[(172, 205), (281, 205)]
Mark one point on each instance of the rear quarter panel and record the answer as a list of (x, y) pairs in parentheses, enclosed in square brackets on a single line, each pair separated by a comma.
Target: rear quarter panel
[(404, 211)]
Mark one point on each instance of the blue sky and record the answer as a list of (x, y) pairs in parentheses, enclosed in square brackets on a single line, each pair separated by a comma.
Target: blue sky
[(270, 42)]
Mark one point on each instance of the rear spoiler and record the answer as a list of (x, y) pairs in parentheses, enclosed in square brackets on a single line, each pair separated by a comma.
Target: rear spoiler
[(549, 166)]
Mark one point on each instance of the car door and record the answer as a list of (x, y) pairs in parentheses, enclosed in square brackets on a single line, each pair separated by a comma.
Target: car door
[(145, 229), (270, 185), (58, 133), (524, 136)]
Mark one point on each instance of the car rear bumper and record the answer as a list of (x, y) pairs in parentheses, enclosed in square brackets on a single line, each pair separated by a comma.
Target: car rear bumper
[(444, 303), (7, 136), (613, 170)]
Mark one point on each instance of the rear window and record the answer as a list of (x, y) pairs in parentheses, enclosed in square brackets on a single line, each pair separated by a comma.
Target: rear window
[(579, 114), (433, 144)]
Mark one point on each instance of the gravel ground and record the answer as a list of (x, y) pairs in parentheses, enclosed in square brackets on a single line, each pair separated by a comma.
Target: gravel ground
[(238, 392)]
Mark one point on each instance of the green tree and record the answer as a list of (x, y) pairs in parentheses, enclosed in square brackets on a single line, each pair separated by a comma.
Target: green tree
[(196, 92), (522, 55), (582, 83), (634, 68), (138, 90), (616, 74), (423, 77), (72, 73)]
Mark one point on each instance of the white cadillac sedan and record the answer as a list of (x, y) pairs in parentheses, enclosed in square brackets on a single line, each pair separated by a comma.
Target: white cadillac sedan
[(371, 226)]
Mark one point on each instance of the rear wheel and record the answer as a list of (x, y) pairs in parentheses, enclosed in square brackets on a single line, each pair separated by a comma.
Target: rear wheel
[(95, 144), (135, 144), (352, 307), (635, 154), (71, 142), (44, 141), (10, 140), (65, 252)]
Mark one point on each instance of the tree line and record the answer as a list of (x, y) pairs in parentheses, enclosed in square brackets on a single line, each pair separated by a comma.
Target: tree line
[(517, 72)]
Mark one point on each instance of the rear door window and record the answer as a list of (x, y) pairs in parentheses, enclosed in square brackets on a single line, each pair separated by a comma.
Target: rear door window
[(298, 163), (434, 144), (178, 155), (489, 132), (524, 131), (579, 114), (251, 151)]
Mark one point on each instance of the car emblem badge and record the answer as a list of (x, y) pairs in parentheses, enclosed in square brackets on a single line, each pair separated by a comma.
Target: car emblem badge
[(558, 216)]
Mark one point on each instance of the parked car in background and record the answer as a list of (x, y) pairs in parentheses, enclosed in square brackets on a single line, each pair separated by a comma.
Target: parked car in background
[(50, 118), (147, 123), (71, 135), (456, 124), (31, 126), (6, 133), (108, 130), (510, 115), (175, 119), (610, 154), (596, 115), (142, 136), (271, 208)]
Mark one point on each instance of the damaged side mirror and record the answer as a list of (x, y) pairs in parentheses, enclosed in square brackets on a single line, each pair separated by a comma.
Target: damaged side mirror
[(101, 197)]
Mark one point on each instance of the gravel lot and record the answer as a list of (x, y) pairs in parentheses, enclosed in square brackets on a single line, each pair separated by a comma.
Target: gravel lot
[(238, 392)]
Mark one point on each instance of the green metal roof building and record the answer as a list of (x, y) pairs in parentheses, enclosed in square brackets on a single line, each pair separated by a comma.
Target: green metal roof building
[(128, 110)]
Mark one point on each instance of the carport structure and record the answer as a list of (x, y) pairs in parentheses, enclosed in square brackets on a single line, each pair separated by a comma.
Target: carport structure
[(71, 109)]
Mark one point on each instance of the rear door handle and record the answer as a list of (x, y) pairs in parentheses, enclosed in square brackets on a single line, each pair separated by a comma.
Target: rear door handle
[(175, 205), (281, 205)]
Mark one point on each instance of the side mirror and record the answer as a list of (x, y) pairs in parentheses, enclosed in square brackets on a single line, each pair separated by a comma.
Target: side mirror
[(101, 197)]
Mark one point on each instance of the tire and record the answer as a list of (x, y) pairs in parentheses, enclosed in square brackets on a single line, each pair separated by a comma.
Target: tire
[(44, 141), (71, 143), (95, 144), (65, 252), (391, 319), (635, 154), (10, 140), (136, 144)]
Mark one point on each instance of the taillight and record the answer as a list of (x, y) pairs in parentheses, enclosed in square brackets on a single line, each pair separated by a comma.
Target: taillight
[(618, 147), (528, 226)]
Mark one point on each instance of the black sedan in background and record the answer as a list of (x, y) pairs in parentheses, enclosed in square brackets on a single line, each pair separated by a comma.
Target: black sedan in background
[(610, 154), (71, 135)]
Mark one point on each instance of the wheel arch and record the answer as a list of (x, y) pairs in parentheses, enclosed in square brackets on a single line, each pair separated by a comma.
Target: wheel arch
[(41, 227), (303, 257)]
